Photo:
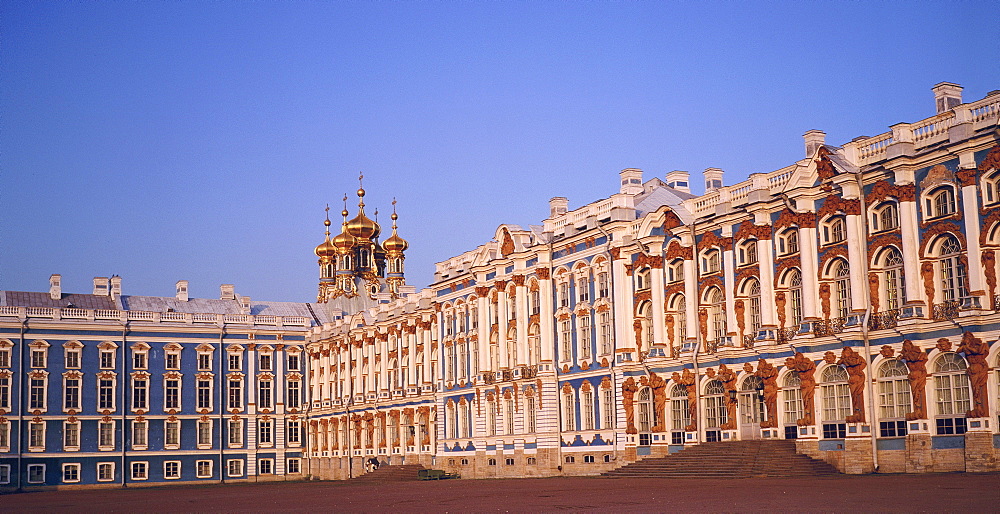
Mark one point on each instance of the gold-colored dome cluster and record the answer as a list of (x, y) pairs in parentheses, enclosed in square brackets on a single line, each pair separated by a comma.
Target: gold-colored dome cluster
[(361, 226)]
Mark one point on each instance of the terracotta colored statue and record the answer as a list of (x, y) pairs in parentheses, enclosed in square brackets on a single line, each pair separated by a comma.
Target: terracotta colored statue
[(806, 370), (975, 351), (916, 361), (687, 379), (629, 387), (728, 379), (769, 375), (659, 387), (855, 365)]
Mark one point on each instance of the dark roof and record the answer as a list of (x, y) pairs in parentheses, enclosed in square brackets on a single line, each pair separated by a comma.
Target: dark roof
[(79, 301)]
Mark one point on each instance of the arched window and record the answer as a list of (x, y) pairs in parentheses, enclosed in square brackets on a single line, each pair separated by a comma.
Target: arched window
[(893, 398), (646, 320), (512, 347), (583, 287), (679, 413), (794, 281), (462, 360), (842, 287), (508, 415), (788, 242), (836, 402), (536, 307), (716, 414), (585, 337), (642, 279), (791, 393), (893, 286), (675, 271), (717, 314), (711, 261), (950, 269), (530, 414), (951, 388), (991, 188), (751, 401), (752, 290), (679, 311), (449, 363), (834, 230), (748, 252), (463, 419), (885, 217), (644, 409), (451, 420), (940, 202), (491, 415), (534, 345)]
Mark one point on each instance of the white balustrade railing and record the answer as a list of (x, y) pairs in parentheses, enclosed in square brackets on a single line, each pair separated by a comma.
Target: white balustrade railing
[(932, 130), (148, 316), (874, 148), (71, 313), (984, 112)]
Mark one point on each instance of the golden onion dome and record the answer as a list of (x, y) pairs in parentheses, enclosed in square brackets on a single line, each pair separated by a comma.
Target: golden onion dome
[(326, 248), (344, 241), (395, 244), (361, 226)]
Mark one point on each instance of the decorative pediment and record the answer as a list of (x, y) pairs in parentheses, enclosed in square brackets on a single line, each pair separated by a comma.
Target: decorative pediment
[(107, 345), (72, 345), (937, 176)]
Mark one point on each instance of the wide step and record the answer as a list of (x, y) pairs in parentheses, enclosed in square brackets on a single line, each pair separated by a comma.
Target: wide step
[(391, 473), (735, 459)]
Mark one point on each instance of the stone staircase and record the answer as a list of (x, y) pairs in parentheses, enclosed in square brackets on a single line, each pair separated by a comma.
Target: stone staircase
[(733, 459), (391, 473)]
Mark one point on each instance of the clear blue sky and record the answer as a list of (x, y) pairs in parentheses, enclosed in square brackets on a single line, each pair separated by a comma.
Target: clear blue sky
[(201, 140)]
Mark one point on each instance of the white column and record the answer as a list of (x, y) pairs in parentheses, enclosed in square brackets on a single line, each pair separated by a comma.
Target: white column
[(810, 268), (411, 371), (383, 347), (483, 330), (856, 255), (521, 316), (973, 226), (729, 288), (546, 323), (623, 315), (765, 261), (502, 314), (425, 335)]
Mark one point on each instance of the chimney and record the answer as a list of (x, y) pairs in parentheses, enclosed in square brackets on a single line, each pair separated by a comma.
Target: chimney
[(558, 206), (814, 139), (631, 181), (245, 305), (182, 290), (55, 286), (228, 292), (100, 286), (679, 180), (947, 96), (713, 179), (116, 286)]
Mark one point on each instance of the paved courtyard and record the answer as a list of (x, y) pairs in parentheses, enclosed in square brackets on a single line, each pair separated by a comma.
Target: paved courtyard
[(956, 492)]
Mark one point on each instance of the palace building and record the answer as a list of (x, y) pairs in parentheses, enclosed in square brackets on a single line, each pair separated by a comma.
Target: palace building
[(847, 302)]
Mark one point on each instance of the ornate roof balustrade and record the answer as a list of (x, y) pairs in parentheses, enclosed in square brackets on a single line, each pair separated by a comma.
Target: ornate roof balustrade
[(151, 317)]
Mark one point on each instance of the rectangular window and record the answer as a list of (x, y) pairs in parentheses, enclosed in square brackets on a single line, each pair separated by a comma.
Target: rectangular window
[(294, 399), (264, 394), (140, 429), (36, 436), (265, 362), (171, 434), (106, 435), (172, 394), (203, 468), (204, 362), (36, 473), (265, 466), (4, 436), (834, 430), (583, 289), (265, 432), (951, 426), (140, 470), (36, 395), (294, 466), (107, 359), (608, 408), (235, 395), (38, 357), (4, 357), (105, 471), (204, 433), (173, 361), (234, 467), (4, 473), (605, 321), (71, 436), (602, 285), (892, 428), (71, 473), (585, 337), (71, 394), (235, 363), (172, 469), (236, 432), (139, 360), (106, 394), (140, 394), (293, 362), (72, 359), (294, 435), (205, 394), (565, 340)]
